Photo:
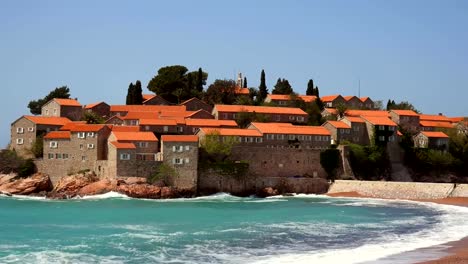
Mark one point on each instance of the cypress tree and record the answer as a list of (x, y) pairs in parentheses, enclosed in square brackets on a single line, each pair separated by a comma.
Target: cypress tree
[(200, 80), (245, 83), (262, 89), (137, 93), (310, 88), (317, 93), (130, 94)]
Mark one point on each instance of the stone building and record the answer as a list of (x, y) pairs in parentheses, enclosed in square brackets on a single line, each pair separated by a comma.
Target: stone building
[(69, 108), (195, 104), (180, 152), (242, 137), (358, 130), (123, 110), (272, 114), (367, 103), (353, 102), (101, 109), (152, 99), (192, 125), (332, 101), (26, 129), (407, 119), (381, 130), (287, 100), (146, 144), (339, 131), (432, 140)]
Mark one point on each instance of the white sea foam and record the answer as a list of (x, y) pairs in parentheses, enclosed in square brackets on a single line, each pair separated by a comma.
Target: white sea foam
[(452, 227), (54, 256), (104, 196), (24, 197)]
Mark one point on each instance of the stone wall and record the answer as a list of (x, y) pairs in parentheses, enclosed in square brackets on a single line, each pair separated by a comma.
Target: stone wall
[(398, 190), (460, 190), (183, 158)]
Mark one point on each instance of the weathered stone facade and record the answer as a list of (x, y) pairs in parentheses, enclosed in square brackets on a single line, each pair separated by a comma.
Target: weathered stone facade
[(58, 109), (101, 109), (407, 119), (196, 104)]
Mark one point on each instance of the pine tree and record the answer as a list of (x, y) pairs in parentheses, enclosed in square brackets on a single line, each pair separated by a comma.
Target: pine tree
[(130, 94), (189, 82), (310, 88), (245, 82), (200, 80), (137, 93), (262, 89)]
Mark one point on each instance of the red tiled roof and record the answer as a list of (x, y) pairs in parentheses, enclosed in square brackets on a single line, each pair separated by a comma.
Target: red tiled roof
[(287, 97), (123, 145), (210, 122), (146, 108), (308, 98), (58, 135), (192, 99), (288, 129), (147, 96), (379, 120), (332, 111), (134, 136), (259, 109), (67, 102), (381, 113), (87, 127), (140, 115), (89, 106), (158, 122), (405, 112), (172, 114), (179, 138), (349, 97), (244, 91), (434, 118), (434, 134), (425, 123), (337, 124), (355, 119), (329, 98), (231, 132), (457, 119), (68, 126), (363, 99), (196, 112), (48, 120), (126, 128)]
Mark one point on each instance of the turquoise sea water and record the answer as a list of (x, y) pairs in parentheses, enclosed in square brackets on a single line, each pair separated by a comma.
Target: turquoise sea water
[(112, 228)]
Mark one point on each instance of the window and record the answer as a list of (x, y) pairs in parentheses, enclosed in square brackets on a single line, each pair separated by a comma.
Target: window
[(300, 118), (133, 122), (270, 136), (282, 102), (259, 140), (177, 148), (51, 156), (391, 138), (19, 141), (381, 127), (225, 116), (318, 138), (124, 156), (381, 138), (187, 148), (301, 137), (291, 118), (143, 144), (177, 161), (278, 118), (292, 137), (65, 156), (90, 134), (329, 104), (309, 138), (53, 144), (391, 128), (31, 129), (234, 116), (187, 160), (81, 146), (180, 129), (165, 128), (47, 112), (83, 158), (81, 135), (19, 130), (90, 146), (55, 111), (58, 155)]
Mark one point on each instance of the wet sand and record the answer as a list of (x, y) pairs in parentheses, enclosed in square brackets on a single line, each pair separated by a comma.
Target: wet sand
[(457, 251)]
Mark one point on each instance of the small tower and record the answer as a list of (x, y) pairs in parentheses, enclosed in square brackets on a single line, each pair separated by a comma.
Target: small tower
[(239, 80)]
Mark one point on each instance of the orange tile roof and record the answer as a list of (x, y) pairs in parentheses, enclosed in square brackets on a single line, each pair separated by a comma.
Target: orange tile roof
[(196, 112), (126, 128), (210, 122), (355, 119), (363, 99), (244, 91), (434, 134), (288, 129), (379, 120), (405, 112), (123, 145), (381, 113), (58, 135), (146, 108), (349, 97), (259, 109), (287, 97), (457, 119), (192, 99), (48, 120), (329, 98), (179, 138), (68, 126), (308, 98), (67, 102), (231, 132), (332, 111), (147, 96), (89, 106), (425, 123), (140, 115), (434, 118), (337, 124), (158, 122), (172, 114), (134, 136), (87, 127)]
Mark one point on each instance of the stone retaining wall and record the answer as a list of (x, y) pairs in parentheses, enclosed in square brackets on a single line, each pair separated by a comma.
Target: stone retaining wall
[(400, 190)]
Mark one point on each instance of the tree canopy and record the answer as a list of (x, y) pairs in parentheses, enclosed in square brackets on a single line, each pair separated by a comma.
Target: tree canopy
[(330, 161), (403, 105), (282, 86), (262, 89), (173, 84), (59, 92), (221, 92), (134, 94)]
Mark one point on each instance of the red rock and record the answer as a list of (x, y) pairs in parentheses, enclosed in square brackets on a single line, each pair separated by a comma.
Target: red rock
[(36, 183), (140, 190), (99, 187), (6, 178), (135, 180), (69, 186)]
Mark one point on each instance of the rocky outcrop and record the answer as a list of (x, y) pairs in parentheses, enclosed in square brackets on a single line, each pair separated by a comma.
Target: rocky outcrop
[(99, 187), (69, 186), (5, 178), (266, 192), (24, 186), (140, 190)]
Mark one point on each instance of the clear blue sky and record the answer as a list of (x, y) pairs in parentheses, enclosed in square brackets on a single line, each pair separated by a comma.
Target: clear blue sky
[(404, 50)]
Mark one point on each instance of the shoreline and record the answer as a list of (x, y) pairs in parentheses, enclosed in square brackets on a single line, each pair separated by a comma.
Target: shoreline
[(455, 252)]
